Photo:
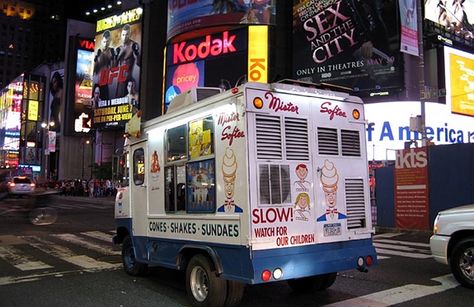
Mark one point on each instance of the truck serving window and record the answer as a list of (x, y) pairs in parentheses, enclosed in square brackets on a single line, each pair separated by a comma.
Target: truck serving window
[(176, 143), (190, 167), (139, 166)]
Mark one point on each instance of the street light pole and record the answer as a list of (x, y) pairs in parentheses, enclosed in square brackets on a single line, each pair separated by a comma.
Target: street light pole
[(421, 72)]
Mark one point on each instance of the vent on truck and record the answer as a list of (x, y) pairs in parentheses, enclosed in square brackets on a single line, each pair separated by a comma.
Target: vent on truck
[(355, 203), (268, 131), (350, 142), (327, 141), (274, 184), (296, 139)]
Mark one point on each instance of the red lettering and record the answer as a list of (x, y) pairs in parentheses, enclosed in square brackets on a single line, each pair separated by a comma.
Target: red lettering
[(89, 45), (235, 134), (107, 76), (278, 105), (186, 52), (271, 215), (336, 111), (227, 118)]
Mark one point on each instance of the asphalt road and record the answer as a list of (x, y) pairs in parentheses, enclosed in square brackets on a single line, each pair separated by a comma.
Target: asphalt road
[(72, 262)]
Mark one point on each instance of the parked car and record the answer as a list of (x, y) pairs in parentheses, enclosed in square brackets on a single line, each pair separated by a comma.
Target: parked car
[(21, 185), (452, 242)]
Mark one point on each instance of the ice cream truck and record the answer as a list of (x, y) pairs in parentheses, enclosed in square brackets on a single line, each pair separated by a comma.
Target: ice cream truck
[(261, 183)]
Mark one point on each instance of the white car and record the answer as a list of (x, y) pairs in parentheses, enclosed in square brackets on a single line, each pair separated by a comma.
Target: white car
[(452, 242), (21, 185)]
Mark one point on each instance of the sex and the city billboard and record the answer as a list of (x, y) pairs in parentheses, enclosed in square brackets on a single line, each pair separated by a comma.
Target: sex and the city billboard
[(354, 44), (117, 62), (188, 15)]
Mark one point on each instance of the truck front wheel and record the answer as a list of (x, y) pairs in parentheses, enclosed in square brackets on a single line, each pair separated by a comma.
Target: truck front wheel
[(462, 262), (203, 286), (130, 263)]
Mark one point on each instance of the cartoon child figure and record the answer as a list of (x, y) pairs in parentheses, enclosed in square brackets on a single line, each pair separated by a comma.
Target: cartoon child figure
[(302, 185), (229, 171), (329, 179), (302, 206)]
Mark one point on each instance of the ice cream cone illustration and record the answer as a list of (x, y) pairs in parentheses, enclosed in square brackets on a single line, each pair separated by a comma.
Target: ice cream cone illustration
[(229, 171), (329, 181)]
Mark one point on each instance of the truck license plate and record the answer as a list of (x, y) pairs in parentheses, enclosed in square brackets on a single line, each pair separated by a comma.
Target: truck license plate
[(333, 229)]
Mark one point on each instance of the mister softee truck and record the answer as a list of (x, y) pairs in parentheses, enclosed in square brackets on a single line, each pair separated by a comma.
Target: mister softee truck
[(262, 183)]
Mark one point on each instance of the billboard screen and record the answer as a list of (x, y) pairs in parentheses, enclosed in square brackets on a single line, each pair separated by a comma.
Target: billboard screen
[(116, 61), (55, 98), (200, 61), (184, 16), (457, 16), (459, 74), (354, 44)]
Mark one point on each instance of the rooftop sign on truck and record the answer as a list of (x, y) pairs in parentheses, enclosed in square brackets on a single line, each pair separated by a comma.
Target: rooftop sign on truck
[(233, 188)]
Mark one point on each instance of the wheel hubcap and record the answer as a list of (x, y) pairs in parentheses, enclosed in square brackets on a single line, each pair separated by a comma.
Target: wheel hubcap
[(466, 262), (199, 284)]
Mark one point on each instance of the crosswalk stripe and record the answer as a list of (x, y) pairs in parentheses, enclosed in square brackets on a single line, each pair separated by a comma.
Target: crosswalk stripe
[(66, 254), (403, 254), (20, 260), (403, 242), (382, 257), (400, 247), (93, 246), (98, 235)]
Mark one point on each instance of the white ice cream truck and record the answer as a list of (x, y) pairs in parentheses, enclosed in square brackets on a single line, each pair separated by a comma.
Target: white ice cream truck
[(262, 183)]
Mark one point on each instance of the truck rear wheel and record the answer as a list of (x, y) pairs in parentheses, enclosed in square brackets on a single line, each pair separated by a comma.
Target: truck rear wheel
[(462, 262), (130, 263), (203, 286), (235, 292), (312, 283)]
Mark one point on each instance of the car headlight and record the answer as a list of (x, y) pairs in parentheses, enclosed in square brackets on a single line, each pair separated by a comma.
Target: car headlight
[(435, 225)]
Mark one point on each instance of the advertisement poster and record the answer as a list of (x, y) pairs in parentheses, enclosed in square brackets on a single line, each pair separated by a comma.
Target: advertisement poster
[(200, 185), (455, 15), (56, 87), (411, 189), (117, 65), (409, 27), (459, 72), (184, 16), (354, 44)]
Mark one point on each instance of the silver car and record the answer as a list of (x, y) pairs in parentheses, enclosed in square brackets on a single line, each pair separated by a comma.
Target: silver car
[(452, 242), (21, 185)]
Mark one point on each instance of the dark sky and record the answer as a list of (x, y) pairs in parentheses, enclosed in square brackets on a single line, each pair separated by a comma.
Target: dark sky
[(77, 9)]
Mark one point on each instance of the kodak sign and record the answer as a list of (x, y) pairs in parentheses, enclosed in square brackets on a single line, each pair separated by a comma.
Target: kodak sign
[(210, 46), (257, 67)]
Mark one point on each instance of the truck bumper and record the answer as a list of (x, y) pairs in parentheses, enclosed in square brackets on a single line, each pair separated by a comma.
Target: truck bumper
[(439, 248)]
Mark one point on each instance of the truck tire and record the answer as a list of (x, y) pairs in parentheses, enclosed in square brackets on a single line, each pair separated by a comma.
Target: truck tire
[(235, 292), (462, 262), (130, 264), (203, 286), (312, 283)]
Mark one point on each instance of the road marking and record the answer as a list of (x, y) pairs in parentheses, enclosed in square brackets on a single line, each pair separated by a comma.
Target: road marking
[(403, 254), (77, 240), (67, 255), (382, 257), (400, 294), (20, 260), (8, 280), (99, 235), (400, 247), (404, 243), (387, 235)]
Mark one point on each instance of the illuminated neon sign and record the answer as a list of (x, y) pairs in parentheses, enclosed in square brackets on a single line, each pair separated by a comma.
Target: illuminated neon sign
[(223, 43)]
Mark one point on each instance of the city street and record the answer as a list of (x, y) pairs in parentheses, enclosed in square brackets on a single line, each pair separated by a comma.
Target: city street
[(72, 262)]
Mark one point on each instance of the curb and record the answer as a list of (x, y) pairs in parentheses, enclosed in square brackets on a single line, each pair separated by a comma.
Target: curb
[(381, 229)]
